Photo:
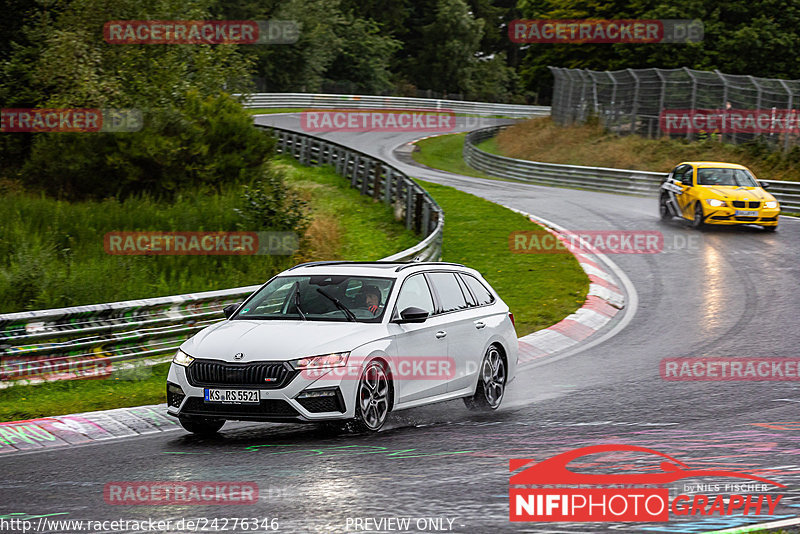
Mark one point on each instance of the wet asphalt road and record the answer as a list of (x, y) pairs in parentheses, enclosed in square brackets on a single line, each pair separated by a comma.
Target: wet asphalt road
[(718, 293)]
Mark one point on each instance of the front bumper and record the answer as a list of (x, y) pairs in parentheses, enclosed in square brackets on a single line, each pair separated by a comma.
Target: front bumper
[(276, 405), (727, 216)]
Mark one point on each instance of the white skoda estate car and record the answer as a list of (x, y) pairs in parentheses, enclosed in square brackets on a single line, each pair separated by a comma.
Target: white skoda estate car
[(347, 341)]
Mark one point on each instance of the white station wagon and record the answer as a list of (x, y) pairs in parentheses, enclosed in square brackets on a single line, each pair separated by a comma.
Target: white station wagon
[(347, 341)]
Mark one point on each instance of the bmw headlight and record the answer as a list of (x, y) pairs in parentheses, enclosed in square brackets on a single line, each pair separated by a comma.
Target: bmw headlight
[(715, 202), (771, 204), (325, 361), (181, 358)]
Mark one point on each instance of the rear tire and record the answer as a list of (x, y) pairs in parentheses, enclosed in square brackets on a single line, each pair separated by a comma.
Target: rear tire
[(201, 426), (491, 382), (697, 222)]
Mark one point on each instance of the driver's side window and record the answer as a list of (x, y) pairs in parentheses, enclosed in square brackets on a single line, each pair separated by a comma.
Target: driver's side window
[(415, 292), (684, 175)]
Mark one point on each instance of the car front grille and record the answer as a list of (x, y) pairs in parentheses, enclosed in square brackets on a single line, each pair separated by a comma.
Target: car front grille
[(747, 219), (266, 409), (262, 375), (753, 205)]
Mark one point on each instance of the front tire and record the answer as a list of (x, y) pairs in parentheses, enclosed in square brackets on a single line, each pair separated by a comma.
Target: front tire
[(373, 398), (663, 208), (697, 222), (771, 228), (491, 382), (201, 426)]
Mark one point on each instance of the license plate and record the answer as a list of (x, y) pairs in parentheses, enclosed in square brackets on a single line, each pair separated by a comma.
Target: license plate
[(743, 213), (232, 396)]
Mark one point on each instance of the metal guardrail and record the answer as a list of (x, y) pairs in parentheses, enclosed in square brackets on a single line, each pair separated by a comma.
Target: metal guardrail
[(604, 179), (309, 100), (61, 340)]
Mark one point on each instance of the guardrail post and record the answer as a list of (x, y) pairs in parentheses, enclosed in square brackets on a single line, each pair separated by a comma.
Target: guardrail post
[(356, 165), (409, 207), (387, 187), (418, 212)]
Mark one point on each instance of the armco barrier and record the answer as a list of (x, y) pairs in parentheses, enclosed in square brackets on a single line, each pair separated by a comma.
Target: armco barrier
[(65, 339), (309, 100), (592, 178)]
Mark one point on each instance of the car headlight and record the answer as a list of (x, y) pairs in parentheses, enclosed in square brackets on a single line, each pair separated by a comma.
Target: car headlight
[(770, 204), (715, 202), (181, 358), (325, 361)]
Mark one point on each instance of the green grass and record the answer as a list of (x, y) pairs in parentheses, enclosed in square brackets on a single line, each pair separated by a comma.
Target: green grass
[(52, 255), (444, 152), (133, 387), (540, 289)]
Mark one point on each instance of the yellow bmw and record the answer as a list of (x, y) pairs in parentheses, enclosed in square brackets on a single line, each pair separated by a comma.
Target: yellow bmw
[(711, 192)]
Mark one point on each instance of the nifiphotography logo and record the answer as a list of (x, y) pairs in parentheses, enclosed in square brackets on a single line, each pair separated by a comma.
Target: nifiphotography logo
[(548, 491)]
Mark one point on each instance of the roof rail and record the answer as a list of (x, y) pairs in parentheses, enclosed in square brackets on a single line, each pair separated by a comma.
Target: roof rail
[(415, 263), (344, 262)]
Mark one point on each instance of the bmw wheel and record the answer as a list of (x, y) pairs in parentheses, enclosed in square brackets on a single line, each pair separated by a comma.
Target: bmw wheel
[(491, 382), (372, 398), (202, 426), (697, 222)]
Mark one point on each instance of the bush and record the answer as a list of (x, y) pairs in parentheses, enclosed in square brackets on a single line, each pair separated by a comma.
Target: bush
[(268, 204), (206, 143)]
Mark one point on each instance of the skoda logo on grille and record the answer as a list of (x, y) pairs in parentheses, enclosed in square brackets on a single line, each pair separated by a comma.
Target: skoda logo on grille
[(238, 356)]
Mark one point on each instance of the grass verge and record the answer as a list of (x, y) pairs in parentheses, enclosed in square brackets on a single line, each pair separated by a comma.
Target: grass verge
[(540, 289), (444, 152), (540, 139)]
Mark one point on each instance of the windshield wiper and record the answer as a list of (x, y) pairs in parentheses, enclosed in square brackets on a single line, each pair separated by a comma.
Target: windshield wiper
[(297, 300), (337, 302)]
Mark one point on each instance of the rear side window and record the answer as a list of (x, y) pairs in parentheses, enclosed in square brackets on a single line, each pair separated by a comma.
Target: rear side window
[(478, 289), (449, 291)]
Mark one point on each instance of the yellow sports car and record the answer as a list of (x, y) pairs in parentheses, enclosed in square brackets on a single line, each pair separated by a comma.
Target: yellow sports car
[(710, 192)]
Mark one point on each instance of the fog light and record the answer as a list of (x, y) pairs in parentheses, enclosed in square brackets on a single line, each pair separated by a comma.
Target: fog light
[(175, 395)]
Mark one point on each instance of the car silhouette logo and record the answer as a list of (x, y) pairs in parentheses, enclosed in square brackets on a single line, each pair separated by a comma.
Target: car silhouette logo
[(238, 356), (554, 470)]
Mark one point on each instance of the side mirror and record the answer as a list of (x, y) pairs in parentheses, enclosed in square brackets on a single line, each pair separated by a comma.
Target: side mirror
[(230, 309), (412, 315), (764, 185)]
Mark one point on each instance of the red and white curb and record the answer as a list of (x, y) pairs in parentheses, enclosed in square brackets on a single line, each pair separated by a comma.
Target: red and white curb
[(65, 430), (604, 300)]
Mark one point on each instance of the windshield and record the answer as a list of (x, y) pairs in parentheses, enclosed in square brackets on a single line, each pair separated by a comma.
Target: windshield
[(734, 177), (320, 298)]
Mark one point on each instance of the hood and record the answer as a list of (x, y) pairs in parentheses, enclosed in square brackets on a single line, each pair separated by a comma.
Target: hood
[(277, 340), (732, 192)]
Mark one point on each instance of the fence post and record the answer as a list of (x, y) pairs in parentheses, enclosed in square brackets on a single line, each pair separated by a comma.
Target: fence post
[(693, 103), (409, 206), (661, 99), (788, 111), (635, 109), (613, 98)]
